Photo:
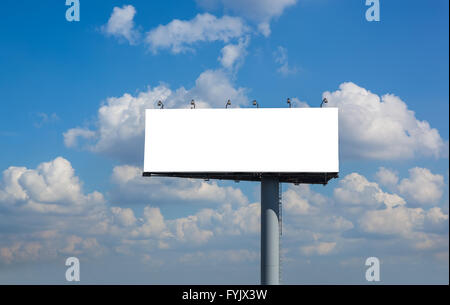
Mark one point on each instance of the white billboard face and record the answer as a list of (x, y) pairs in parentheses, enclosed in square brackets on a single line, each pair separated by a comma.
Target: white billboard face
[(252, 140)]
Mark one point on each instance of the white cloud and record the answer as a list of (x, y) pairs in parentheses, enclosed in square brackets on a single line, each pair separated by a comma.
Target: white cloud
[(124, 216), (301, 200), (214, 88), (43, 207), (308, 214), (388, 214), (72, 135), (298, 103), (51, 187), (322, 248), (131, 186), (232, 54), (264, 28), (369, 127), (76, 245), (198, 228), (150, 236), (293, 203), (57, 218), (10, 189), (21, 251), (422, 186), (436, 220), (410, 223), (260, 11), (228, 221), (121, 120), (281, 58), (121, 24), (153, 224), (400, 220), (45, 118), (186, 229), (355, 190), (383, 128), (227, 256), (245, 219), (386, 177), (120, 132), (180, 35)]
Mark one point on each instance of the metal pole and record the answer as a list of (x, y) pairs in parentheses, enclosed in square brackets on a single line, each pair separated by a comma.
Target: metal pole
[(270, 235)]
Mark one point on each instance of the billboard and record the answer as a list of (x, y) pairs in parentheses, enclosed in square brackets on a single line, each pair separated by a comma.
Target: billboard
[(250, 140)]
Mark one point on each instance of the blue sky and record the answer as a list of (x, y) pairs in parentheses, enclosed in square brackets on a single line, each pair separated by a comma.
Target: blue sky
[(71, 138)]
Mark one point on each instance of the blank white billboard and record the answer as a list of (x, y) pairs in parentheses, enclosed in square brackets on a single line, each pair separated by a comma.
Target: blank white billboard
[(252, 140)]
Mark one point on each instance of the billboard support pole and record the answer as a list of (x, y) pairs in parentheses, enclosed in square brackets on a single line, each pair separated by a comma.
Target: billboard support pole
[(270, 235)]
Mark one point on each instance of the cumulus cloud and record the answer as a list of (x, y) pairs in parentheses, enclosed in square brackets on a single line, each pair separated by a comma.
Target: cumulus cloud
[(214, 87), (390, 215), (21, 251), (120, 122), (422, 186), (223, 256), (181, 35), (132, 187), (370, 127), (383, 128), (197, 229), (226, 221), (315, 223), (322, 248), (50, 188), (260, 11), (42, 208), (76, 245), (406, 222), (400, 220), (281, 58), (124, 216), (264, 28), (186, 229), (298, 103), (294, 203), (301, 200), (48, 215), (386, 177), (310, 218), (355, 190), (436, 220), (121, 24), (72, 135), (153, 224), (232, 54), (45, 118)]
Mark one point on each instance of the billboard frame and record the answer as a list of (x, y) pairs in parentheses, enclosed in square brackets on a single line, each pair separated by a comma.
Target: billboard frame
[(295, 178)]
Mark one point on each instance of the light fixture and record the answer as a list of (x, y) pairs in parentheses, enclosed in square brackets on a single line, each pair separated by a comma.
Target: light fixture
[(228, 104), (289, 102), (324, 101), (255, 103), (160, 105), (192, 104)]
